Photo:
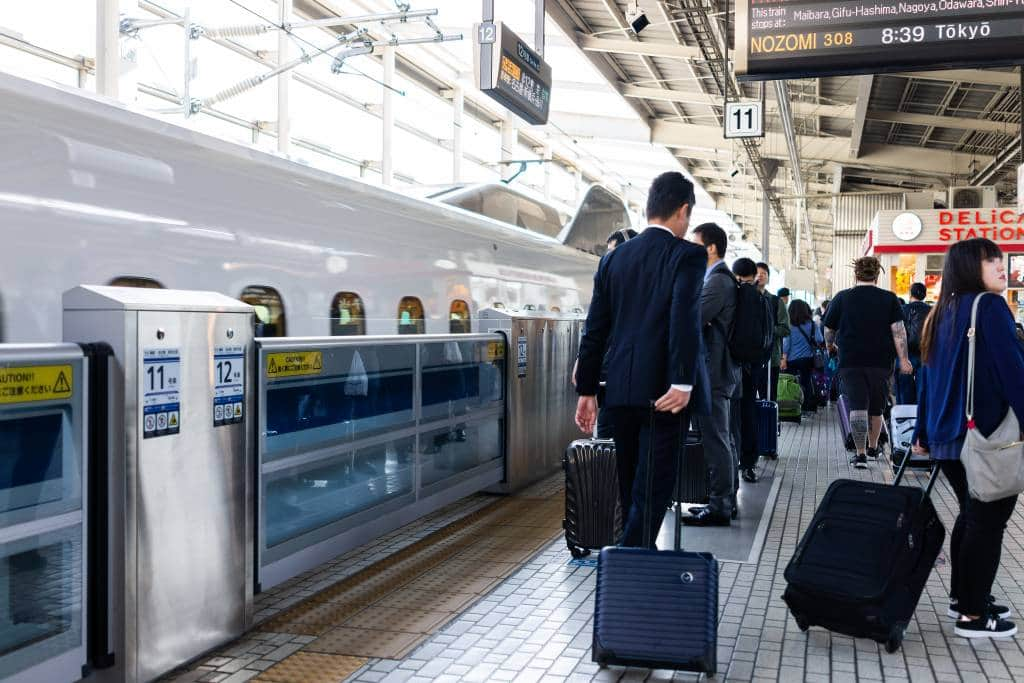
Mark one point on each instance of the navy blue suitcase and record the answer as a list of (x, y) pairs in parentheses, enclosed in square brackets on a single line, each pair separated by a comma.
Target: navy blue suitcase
[(656, 608), (766, 416)]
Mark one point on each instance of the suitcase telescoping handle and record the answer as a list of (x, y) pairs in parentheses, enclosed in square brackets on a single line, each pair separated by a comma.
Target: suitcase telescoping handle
[(932, 475), (649, 483)]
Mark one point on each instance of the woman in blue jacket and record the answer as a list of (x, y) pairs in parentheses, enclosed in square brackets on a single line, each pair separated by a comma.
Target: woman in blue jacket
[(798, 350), (972, 267)]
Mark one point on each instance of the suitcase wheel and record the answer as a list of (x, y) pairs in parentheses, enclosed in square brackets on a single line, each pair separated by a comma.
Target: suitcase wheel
[(895, 638), (578, 553)]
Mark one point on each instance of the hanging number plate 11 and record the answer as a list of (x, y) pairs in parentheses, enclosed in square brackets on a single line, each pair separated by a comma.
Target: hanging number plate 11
[(744, 119)]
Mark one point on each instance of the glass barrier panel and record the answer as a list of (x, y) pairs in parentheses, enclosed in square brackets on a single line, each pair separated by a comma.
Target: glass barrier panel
[(305, 498), (363, 391), (39, 469), (447, 452), (40, 599), (459, 377)]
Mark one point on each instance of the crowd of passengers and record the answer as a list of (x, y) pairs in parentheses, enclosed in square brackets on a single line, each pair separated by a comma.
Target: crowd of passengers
[(661, 331)]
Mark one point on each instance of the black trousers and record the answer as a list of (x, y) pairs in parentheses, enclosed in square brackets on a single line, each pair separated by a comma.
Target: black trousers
[(804, 369), (976, 543), (759, 377), (636, 449), (747, 446)]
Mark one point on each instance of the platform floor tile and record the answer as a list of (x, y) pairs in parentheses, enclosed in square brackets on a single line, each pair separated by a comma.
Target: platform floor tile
[(312, 667)]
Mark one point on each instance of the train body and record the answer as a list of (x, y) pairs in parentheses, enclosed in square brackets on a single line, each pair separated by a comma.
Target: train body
[(92, 193)]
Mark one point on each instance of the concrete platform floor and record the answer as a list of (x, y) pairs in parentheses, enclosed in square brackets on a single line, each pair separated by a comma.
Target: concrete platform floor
[(535, 624)]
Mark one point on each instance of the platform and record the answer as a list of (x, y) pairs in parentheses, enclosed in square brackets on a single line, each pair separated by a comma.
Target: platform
[(484, 590)]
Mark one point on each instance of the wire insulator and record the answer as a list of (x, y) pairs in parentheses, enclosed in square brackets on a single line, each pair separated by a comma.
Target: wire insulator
[(233, 91), (238, 31)]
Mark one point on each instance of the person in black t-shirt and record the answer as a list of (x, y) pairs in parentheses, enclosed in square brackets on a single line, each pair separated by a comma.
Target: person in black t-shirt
[(866, 323)]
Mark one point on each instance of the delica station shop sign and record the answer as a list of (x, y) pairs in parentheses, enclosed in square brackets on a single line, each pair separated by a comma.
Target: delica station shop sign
[(895, 232)]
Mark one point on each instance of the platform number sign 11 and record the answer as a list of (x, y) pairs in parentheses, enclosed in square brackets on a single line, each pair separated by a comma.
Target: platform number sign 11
[(161, 392), (744, 119)]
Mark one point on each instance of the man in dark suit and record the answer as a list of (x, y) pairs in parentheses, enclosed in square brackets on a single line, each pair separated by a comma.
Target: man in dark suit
[(717, 306), (645, 309)]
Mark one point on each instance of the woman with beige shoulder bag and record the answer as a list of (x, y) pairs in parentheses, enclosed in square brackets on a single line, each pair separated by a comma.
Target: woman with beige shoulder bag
[(969, 414)]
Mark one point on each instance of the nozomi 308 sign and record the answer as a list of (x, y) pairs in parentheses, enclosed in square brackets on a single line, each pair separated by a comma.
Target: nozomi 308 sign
[(800, 38), (512, 73)]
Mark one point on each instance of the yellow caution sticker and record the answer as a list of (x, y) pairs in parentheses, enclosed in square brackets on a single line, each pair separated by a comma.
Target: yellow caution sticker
[(495, 350), (294, 364), (28, 383)]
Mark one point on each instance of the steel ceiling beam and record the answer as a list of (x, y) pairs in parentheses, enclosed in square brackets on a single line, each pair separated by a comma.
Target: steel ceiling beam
[(591, 43)]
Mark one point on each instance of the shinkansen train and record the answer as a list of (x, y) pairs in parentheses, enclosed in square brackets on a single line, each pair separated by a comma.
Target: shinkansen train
[(92, 193)]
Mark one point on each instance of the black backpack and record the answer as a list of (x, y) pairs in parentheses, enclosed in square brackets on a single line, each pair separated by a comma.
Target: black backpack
[(750, 340), (914, 315)]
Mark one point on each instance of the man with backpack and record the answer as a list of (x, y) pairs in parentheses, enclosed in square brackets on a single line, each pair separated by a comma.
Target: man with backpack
[(718, 308), (751, 341), (914, 315)]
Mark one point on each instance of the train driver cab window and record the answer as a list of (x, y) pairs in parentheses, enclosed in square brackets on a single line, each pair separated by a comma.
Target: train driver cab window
[(410, 316), (458, 318), (269, 308), (348, 317), (132, 281)]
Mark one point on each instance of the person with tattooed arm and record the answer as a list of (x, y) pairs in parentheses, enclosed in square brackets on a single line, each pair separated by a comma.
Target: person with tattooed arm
[(865, 322)]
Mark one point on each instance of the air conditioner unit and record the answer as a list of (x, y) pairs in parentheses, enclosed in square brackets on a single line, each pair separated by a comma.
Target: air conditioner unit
[(979, 197)]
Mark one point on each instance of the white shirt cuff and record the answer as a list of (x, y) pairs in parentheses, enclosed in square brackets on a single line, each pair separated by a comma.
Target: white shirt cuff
[(683, 387)]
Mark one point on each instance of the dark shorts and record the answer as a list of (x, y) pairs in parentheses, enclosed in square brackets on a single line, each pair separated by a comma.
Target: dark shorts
[(865, 388)]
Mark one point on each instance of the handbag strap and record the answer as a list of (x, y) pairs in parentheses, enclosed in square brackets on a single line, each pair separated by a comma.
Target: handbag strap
[(972, 344)]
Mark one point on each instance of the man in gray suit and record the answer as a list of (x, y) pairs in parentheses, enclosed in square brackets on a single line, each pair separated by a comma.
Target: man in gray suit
[(717, 307)]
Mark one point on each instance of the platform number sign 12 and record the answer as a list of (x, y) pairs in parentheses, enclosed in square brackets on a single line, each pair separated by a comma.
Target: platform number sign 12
[(228, 385), (744, 119)]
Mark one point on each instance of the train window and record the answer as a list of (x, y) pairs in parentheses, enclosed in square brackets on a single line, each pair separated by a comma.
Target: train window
[(348, 317), (133, 281), (410, 316), (556, 309), (498, 306), (458, 319), (269, 309)]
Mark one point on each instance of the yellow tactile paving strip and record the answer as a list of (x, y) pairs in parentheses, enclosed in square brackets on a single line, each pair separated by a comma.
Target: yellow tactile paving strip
[(386, 610), (312, 667)]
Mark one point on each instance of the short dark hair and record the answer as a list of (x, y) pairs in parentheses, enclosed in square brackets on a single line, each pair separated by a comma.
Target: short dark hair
[(712, 233), (764, 266), (621, 235), (867, 269), (799, 312), (784, 292), (744, 267), (669, 192), (918, 291)]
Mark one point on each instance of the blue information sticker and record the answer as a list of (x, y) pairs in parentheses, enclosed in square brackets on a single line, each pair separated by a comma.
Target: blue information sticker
[(228, 385), (161, 395)]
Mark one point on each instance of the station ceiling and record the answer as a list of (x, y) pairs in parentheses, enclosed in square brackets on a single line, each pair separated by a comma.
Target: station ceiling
[(896, 132)]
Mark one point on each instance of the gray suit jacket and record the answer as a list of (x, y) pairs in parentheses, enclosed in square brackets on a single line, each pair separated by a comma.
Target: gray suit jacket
[(717, 307)]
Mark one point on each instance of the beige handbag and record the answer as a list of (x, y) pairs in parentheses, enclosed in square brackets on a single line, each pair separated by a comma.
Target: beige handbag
[(994, 465)]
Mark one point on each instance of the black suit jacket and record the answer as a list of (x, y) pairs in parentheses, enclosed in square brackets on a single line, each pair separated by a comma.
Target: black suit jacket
[(645, 311)]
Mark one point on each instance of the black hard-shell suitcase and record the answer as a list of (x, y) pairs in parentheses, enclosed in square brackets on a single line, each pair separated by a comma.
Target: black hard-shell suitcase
[(656, 608), (593, 515), (862, 564), (692, 484)]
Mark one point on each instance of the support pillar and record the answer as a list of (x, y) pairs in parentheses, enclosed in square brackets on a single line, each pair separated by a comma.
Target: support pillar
[(458, 109), (509, 139), (387, 170), (284, 133), (108, 52)]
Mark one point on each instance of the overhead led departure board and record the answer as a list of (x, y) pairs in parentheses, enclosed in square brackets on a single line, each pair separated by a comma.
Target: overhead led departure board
[(512, 73), (807, 38)]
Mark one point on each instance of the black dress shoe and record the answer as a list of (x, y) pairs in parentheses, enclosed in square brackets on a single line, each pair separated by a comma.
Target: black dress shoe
[(735, 512), (697, 509), (749, 475), (707, 518)]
